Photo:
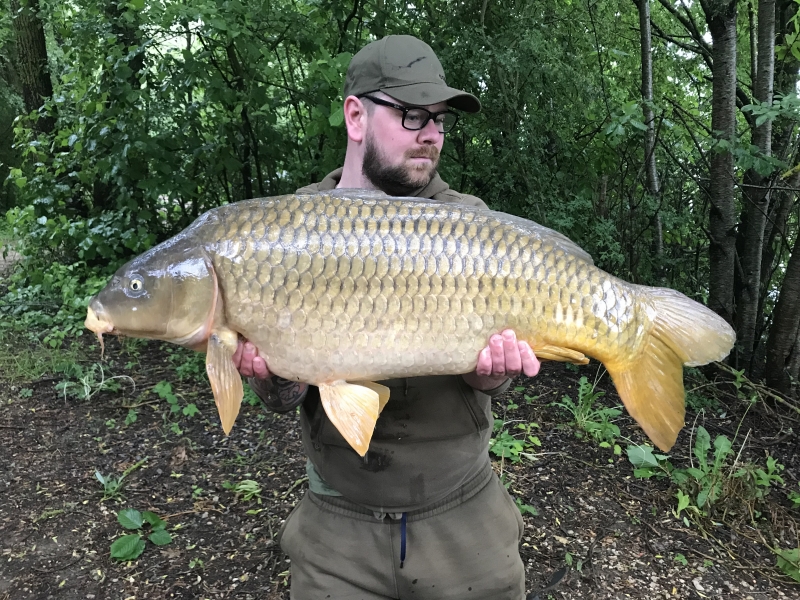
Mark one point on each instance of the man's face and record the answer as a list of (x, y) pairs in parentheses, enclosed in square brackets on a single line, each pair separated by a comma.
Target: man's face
[(396, 160)]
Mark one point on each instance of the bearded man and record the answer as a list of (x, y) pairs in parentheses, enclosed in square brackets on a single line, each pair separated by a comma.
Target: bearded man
[(422, 515)]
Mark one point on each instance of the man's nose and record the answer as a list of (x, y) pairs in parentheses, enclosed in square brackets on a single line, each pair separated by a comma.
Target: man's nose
[(430, 133)]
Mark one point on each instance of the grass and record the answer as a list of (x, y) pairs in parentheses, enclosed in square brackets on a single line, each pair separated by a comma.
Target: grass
[(25, 358)]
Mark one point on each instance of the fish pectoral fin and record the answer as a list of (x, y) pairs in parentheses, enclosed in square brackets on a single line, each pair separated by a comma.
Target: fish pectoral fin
[(226, 383), (353, 408), (548, 352)]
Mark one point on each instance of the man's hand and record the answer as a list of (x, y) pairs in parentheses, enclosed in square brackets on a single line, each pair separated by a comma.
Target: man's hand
[(248, 362), (503, 357)]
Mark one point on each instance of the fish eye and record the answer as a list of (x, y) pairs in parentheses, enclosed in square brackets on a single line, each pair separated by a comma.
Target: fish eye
[(135, 286)]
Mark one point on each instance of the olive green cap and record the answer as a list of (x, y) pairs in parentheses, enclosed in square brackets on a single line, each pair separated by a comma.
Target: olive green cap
[(407, 69)]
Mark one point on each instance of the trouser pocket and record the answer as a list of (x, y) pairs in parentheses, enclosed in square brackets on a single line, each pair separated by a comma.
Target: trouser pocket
[(281, 536)]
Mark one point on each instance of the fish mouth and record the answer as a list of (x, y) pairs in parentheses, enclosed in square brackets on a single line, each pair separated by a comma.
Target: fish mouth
[(99, 324)]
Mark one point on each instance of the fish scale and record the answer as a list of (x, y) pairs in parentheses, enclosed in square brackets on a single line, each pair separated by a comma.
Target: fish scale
[(337, 287)]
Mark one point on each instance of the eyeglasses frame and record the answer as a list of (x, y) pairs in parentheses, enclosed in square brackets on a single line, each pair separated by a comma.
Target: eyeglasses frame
[(405, 110)]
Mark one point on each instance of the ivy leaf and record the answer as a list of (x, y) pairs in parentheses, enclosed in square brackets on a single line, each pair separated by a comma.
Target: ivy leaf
[(128, 547), (130, 518)]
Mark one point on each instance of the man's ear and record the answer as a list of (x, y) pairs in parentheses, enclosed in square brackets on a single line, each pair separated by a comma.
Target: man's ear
[(355, 118)]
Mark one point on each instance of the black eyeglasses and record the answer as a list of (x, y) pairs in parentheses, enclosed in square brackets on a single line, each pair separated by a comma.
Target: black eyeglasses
[(415, 118)]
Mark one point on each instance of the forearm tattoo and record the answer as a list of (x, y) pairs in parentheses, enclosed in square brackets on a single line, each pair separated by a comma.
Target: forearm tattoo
[(279, 394)]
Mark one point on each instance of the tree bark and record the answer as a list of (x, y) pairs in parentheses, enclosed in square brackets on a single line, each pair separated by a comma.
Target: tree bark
[(756, 192), (33, 68), (782, 340), (653, 185), (721, 18)]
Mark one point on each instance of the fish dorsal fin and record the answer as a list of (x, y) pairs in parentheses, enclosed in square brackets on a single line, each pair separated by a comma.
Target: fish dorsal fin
[(357, 193), (558, 239), (226, 383), (353, 408)]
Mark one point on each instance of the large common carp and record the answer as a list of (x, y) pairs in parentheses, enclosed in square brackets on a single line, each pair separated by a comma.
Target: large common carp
[(344, 289)]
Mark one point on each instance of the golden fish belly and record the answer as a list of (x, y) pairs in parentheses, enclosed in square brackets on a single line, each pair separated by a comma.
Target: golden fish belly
[(371, 289)]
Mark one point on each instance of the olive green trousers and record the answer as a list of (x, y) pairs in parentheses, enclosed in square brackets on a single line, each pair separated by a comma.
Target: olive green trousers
[(463, 547)]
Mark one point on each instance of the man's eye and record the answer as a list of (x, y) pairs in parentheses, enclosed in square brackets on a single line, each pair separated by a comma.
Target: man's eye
[(414, 117)]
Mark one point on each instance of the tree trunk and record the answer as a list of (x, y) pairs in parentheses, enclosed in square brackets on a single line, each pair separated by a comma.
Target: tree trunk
[(653, 185), (722, 224), (34, 71), (782, 339), (757, 197)]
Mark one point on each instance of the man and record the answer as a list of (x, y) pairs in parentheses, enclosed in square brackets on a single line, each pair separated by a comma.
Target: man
[(421, 515)]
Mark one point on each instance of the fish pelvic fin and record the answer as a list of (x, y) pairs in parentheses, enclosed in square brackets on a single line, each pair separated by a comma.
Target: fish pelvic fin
[(226, 383), (382, 390), (353, 408), (549, 352), (684, 332)]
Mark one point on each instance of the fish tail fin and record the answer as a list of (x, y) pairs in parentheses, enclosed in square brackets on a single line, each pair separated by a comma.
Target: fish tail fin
[(353, 408), (684, 332)]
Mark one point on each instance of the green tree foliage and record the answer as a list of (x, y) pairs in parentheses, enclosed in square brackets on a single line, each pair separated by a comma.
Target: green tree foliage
[(165, 109)]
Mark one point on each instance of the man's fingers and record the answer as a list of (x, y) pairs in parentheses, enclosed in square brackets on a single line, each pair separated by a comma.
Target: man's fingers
[(530, 364), (497, 348), (260, 369), (237, 356), (513, 360), (484, 366)]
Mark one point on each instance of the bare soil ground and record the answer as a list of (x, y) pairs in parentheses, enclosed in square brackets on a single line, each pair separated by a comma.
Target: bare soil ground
[(616, 534)]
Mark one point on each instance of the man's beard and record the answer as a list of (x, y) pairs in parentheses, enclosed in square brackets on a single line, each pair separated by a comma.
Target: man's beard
[(402, 179)]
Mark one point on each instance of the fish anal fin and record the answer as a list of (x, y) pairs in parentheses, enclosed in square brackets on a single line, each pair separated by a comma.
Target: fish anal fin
[(652, 390), (550, 352), (353, 408), (226, 383), (382, 391)]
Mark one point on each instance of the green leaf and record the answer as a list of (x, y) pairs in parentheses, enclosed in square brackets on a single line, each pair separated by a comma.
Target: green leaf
[(789, 561), (702, 497), (160, 537), (128, 547), (641, 456), (702, 445), (696, 473), (21, 182), (130, 518), (683, 502), (722, 448), (337, 117), (155, 521)]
